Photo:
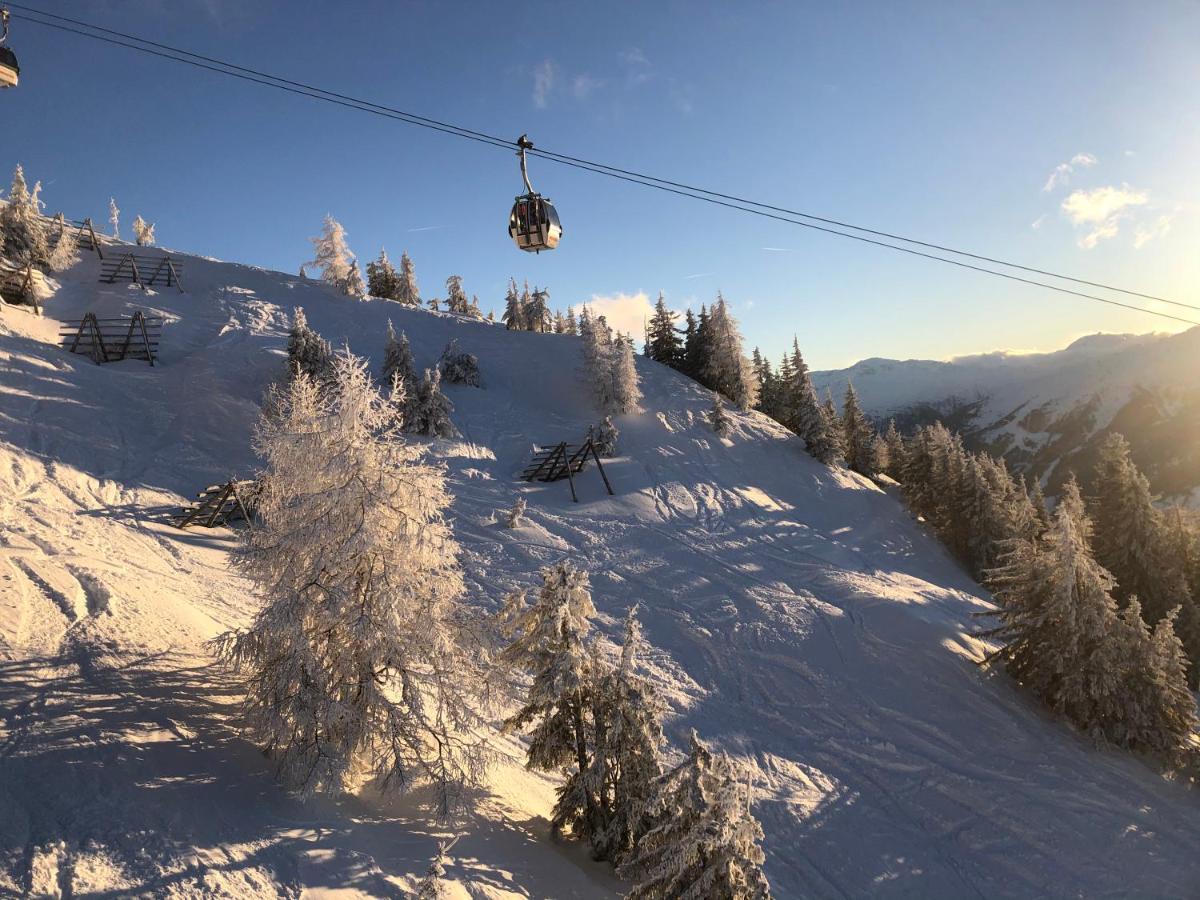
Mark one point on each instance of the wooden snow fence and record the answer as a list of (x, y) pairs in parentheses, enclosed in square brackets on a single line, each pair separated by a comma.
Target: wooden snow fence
[(561, 461), (141, 270), (85, 233), (21, 284), (109, 340), (219, 504)]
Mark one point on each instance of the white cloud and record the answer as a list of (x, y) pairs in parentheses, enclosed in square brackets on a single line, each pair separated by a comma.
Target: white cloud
[(1100, 211), (1146, 233), (626, 313), (1037, 223), (698, 275), (778, 249), (545, 78), (637, 66), (1063, 171), (583, 85)]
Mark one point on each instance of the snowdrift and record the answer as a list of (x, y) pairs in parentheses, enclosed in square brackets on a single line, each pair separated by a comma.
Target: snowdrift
[(799, 620)]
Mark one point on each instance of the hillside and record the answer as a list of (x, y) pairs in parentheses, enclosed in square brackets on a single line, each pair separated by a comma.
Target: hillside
[(800, 621), (1047, 413)]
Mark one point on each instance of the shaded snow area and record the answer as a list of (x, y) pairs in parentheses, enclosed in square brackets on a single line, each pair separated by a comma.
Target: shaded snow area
[(799, 620)]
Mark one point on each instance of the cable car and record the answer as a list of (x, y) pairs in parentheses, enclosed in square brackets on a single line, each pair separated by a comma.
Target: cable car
[(533, 224), (10, 72)]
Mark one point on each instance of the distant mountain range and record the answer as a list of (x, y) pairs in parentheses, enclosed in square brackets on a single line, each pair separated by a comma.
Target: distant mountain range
[(1047, 413)]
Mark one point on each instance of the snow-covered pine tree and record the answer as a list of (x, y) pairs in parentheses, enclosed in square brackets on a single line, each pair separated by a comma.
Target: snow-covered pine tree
[(114, 218), (1177, 718), (895, 451), (353, 667), (662, 339), (1130, 538), (434, 303), (66, 248), (725, 368), (382, 280), (407, 291), (626, 383), (572, 325), (456, 297), (431, 411), (689, 364), (25, 238), (473, 310), (629, 743), (717, 417), (804, 414), (858, 434), (605, 436), (308, 352), (355, 286), (706, 843), (398, 362), (537, 310), (459, 367), (332, 256), (549, 641), (516, 515), (432, 886), (143, 232), (1037, 497), (598, 352), (514, 312)]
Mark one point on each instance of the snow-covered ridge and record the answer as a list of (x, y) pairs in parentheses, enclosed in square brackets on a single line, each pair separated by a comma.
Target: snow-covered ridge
[(799, 620)]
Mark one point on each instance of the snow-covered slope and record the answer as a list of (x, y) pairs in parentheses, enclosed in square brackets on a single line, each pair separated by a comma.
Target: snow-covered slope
[(1048, 412), (800, 620)]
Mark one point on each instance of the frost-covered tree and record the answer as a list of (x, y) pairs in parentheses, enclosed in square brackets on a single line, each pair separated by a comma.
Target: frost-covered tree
[(858, 434), (355, 287), (537, 310), (143, 232), (626, 383), (431, 411), (514, 312), (516, 515), (572, 325), (382, 280), (895, 451), (803, 411), (66, 248), (1037, 498), (432, 886), (407, 291), (308, 352), (717, 418), (398, 369), (459, 367), (706, 842), (724, 367), (549, 641), (24, 233), (604, 436), (333, 258), (456, 297), (628, 713), (354, 668), (114, 218), (473, 310)]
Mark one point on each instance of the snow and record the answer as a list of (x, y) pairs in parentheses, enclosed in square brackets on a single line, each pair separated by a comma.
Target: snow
[(796, 618)]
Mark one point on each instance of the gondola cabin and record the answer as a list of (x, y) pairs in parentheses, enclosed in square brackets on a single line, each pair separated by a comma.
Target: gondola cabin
[(10, 72), (533, 224)]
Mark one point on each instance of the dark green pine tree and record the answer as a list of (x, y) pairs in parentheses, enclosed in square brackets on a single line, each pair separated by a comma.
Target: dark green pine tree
[(662, 339), (696, 350), (859, 435)]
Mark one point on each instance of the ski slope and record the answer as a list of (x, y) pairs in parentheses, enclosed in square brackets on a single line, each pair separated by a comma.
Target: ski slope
[(799, 620)]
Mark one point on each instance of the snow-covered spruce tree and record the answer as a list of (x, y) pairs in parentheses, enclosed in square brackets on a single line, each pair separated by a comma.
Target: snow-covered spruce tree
[(1037, 498), (895, 451), (690, 363), (663, 343), (308, 353), (66, 248), (717, 417), (332, 256), (572, 324), (706, 843), (407, 291), (1131, 539), (25, 239), (473, 310), (399, 375), (459, 367), (604, 436), (355, 286), (456, 297), (514, 313), (858, 435), (143, 232), (432, 886), (598, 351), (353, 666), (431, 412), (537, 313), (629, 714), (626, 395), (114, 218), (1177, 703), (549, 641), (516, 515), (804, 414), (382, 280), (725, 368)]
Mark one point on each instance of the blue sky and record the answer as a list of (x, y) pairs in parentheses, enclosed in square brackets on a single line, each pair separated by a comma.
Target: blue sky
[(943, 121)]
